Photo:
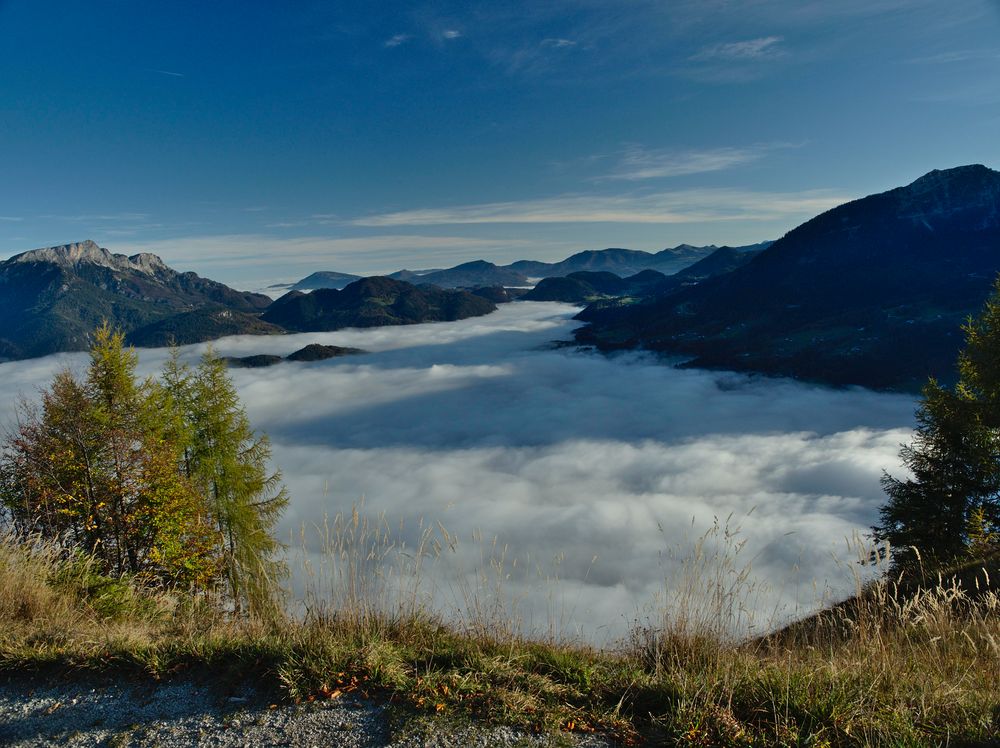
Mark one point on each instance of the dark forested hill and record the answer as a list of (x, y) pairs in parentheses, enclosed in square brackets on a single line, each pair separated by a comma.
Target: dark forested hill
[(324, 279), (872, 292), (585, 286), (373, 302)]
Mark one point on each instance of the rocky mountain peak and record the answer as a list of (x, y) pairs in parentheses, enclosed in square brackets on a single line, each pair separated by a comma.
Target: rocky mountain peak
[(89, 253), (146, 262)]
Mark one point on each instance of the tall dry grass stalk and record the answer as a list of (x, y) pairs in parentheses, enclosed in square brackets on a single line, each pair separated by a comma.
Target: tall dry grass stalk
[(361, 571), (709, 603), (479, 598)]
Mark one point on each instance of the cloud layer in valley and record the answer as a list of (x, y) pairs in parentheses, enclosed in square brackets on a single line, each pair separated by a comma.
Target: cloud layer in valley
[(585, 468)]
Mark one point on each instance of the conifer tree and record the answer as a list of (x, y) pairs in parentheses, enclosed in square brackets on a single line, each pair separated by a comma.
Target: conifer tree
[(949, 509)]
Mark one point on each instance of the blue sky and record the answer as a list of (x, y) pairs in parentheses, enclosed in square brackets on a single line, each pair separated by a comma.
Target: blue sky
[(258, 141)]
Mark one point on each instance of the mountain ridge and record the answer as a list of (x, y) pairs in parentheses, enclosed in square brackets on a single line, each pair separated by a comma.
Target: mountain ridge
[(623, 262), (88, 252), (871, 292), (52, 298)]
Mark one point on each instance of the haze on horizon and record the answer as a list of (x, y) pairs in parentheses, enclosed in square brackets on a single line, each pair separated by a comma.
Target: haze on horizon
[(256, 142)]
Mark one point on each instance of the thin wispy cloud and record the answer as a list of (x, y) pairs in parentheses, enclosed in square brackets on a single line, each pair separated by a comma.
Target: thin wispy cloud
[(117, 233), (977, 92), (962, 55), (170, 73), (679, 206), (11, 218), (556, 43), (326, 219), (86, 217), (397, 40), (749, 49), (451, 33), (638, 163)]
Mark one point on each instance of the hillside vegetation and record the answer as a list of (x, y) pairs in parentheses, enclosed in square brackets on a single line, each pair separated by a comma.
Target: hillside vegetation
[(893, 670)]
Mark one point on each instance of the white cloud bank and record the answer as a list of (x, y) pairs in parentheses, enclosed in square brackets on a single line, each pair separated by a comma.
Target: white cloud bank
[(600, 463)]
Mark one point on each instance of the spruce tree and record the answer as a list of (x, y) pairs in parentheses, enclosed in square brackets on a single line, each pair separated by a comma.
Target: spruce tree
[(949, 509)]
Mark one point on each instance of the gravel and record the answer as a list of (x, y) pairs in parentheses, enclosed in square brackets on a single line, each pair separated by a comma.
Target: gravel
[(98, 711)]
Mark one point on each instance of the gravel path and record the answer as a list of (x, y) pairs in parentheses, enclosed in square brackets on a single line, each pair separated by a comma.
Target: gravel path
[(186, 712)]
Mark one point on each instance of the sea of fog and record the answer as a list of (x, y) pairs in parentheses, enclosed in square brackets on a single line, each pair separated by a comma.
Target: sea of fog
[(564, 488)]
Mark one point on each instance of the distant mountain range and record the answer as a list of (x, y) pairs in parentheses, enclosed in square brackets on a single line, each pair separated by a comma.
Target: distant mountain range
[(621, 262), (872, 292), (51, 300), (597, 287)]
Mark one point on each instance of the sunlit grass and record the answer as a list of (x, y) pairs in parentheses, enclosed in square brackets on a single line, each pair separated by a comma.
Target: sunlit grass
[(897, 665)]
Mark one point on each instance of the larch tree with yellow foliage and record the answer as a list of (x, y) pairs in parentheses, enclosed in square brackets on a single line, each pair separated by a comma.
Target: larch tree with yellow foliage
[(166, 482)]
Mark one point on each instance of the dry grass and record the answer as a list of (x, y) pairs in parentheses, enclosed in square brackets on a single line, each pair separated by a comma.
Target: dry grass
[(898, 666)]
